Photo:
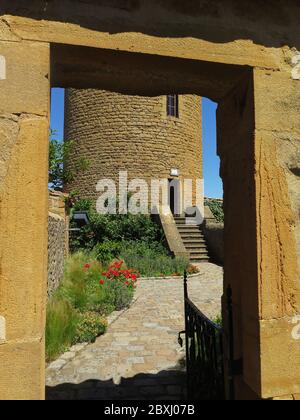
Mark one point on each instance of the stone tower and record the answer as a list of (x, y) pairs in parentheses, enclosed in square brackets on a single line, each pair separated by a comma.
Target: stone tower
[(149, 137)]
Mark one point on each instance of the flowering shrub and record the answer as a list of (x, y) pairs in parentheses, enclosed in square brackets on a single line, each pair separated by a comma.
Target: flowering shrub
[(76, 312), (120, 283), (89, 327), (115, 272)]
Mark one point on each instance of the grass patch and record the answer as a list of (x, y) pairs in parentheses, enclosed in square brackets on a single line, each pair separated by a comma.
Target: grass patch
[(61, 326)]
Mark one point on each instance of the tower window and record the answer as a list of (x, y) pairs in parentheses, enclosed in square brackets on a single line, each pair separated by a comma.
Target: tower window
[(173, 106)]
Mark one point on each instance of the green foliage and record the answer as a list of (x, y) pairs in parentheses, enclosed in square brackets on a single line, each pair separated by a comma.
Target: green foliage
[(89, 327), (216, 207), (152, 260), (120, 283), (113, 228), (218, 321), (121, 296), (61, 326), (83, 205), (107, 251), (100, 300), (59, 152)]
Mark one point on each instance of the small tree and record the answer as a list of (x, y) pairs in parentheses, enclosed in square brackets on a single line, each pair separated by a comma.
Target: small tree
[(59, 152)]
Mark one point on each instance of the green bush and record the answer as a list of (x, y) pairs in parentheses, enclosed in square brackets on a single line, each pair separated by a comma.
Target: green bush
[(113, 228), (107, 251), (89, 327), (83, 205), (216, 207), (99, 300), (61, 326), (122, 296)]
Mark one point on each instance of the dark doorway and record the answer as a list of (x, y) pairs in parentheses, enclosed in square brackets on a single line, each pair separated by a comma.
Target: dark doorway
[(174, 196)]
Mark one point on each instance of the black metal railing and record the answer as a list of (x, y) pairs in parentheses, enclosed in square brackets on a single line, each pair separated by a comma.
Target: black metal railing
[(204, 353)]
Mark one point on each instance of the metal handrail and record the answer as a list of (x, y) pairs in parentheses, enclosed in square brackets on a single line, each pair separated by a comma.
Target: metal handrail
[(205, 353)]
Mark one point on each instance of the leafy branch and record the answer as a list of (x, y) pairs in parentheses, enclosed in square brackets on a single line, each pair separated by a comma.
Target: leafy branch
[(59, 151)]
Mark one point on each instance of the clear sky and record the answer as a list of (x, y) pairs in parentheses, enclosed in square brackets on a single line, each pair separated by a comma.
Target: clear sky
[(212, 181), (213, 185)]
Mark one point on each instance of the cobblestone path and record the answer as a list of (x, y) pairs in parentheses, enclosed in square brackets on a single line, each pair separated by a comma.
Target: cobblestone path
[(139, 357)]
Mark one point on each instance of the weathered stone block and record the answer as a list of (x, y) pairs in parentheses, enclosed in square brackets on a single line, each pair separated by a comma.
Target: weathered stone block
[(277, 254), (22, 371), (277, 101), (23, 209), (192, 45), (6, 33), (280, 358), (9, 130), (26, 87)]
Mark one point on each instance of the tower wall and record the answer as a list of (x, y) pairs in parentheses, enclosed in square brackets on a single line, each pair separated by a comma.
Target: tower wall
[(118, 132)]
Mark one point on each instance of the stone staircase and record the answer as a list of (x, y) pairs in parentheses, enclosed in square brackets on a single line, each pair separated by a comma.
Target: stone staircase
[(193, 239)]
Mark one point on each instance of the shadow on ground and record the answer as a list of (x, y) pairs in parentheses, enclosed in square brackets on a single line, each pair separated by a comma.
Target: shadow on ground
[(165, 385)]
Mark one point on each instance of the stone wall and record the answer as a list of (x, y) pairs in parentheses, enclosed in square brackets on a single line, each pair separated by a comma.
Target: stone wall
[(58, 239), (214, 235), (56, 251), (118, 132)]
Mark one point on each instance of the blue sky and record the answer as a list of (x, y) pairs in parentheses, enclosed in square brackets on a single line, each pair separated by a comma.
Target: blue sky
[(212, 180)]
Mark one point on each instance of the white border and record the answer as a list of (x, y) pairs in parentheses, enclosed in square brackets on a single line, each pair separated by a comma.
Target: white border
[(2, 67)]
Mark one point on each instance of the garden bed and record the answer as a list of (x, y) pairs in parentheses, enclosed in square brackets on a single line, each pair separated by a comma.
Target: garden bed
[(78, 310)]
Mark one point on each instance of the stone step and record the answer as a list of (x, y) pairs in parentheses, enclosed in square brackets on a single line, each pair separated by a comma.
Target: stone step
[(190, 231), (194, 242), (188, 228), (183, 222), (195, 246), (185, 228), (198, 253), (191, 235), (200, 257)]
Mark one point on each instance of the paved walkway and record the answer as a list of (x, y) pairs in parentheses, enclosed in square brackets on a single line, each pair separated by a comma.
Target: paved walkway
[(139, 357)]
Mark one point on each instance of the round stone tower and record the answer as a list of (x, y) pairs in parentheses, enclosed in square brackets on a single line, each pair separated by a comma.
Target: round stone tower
[(149, 137)]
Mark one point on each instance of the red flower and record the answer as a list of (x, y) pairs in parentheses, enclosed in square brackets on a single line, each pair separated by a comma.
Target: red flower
[(87, 267), (115, 273), (102, 282)]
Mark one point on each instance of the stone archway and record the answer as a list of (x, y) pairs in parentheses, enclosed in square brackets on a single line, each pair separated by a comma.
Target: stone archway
[(258, 137)]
